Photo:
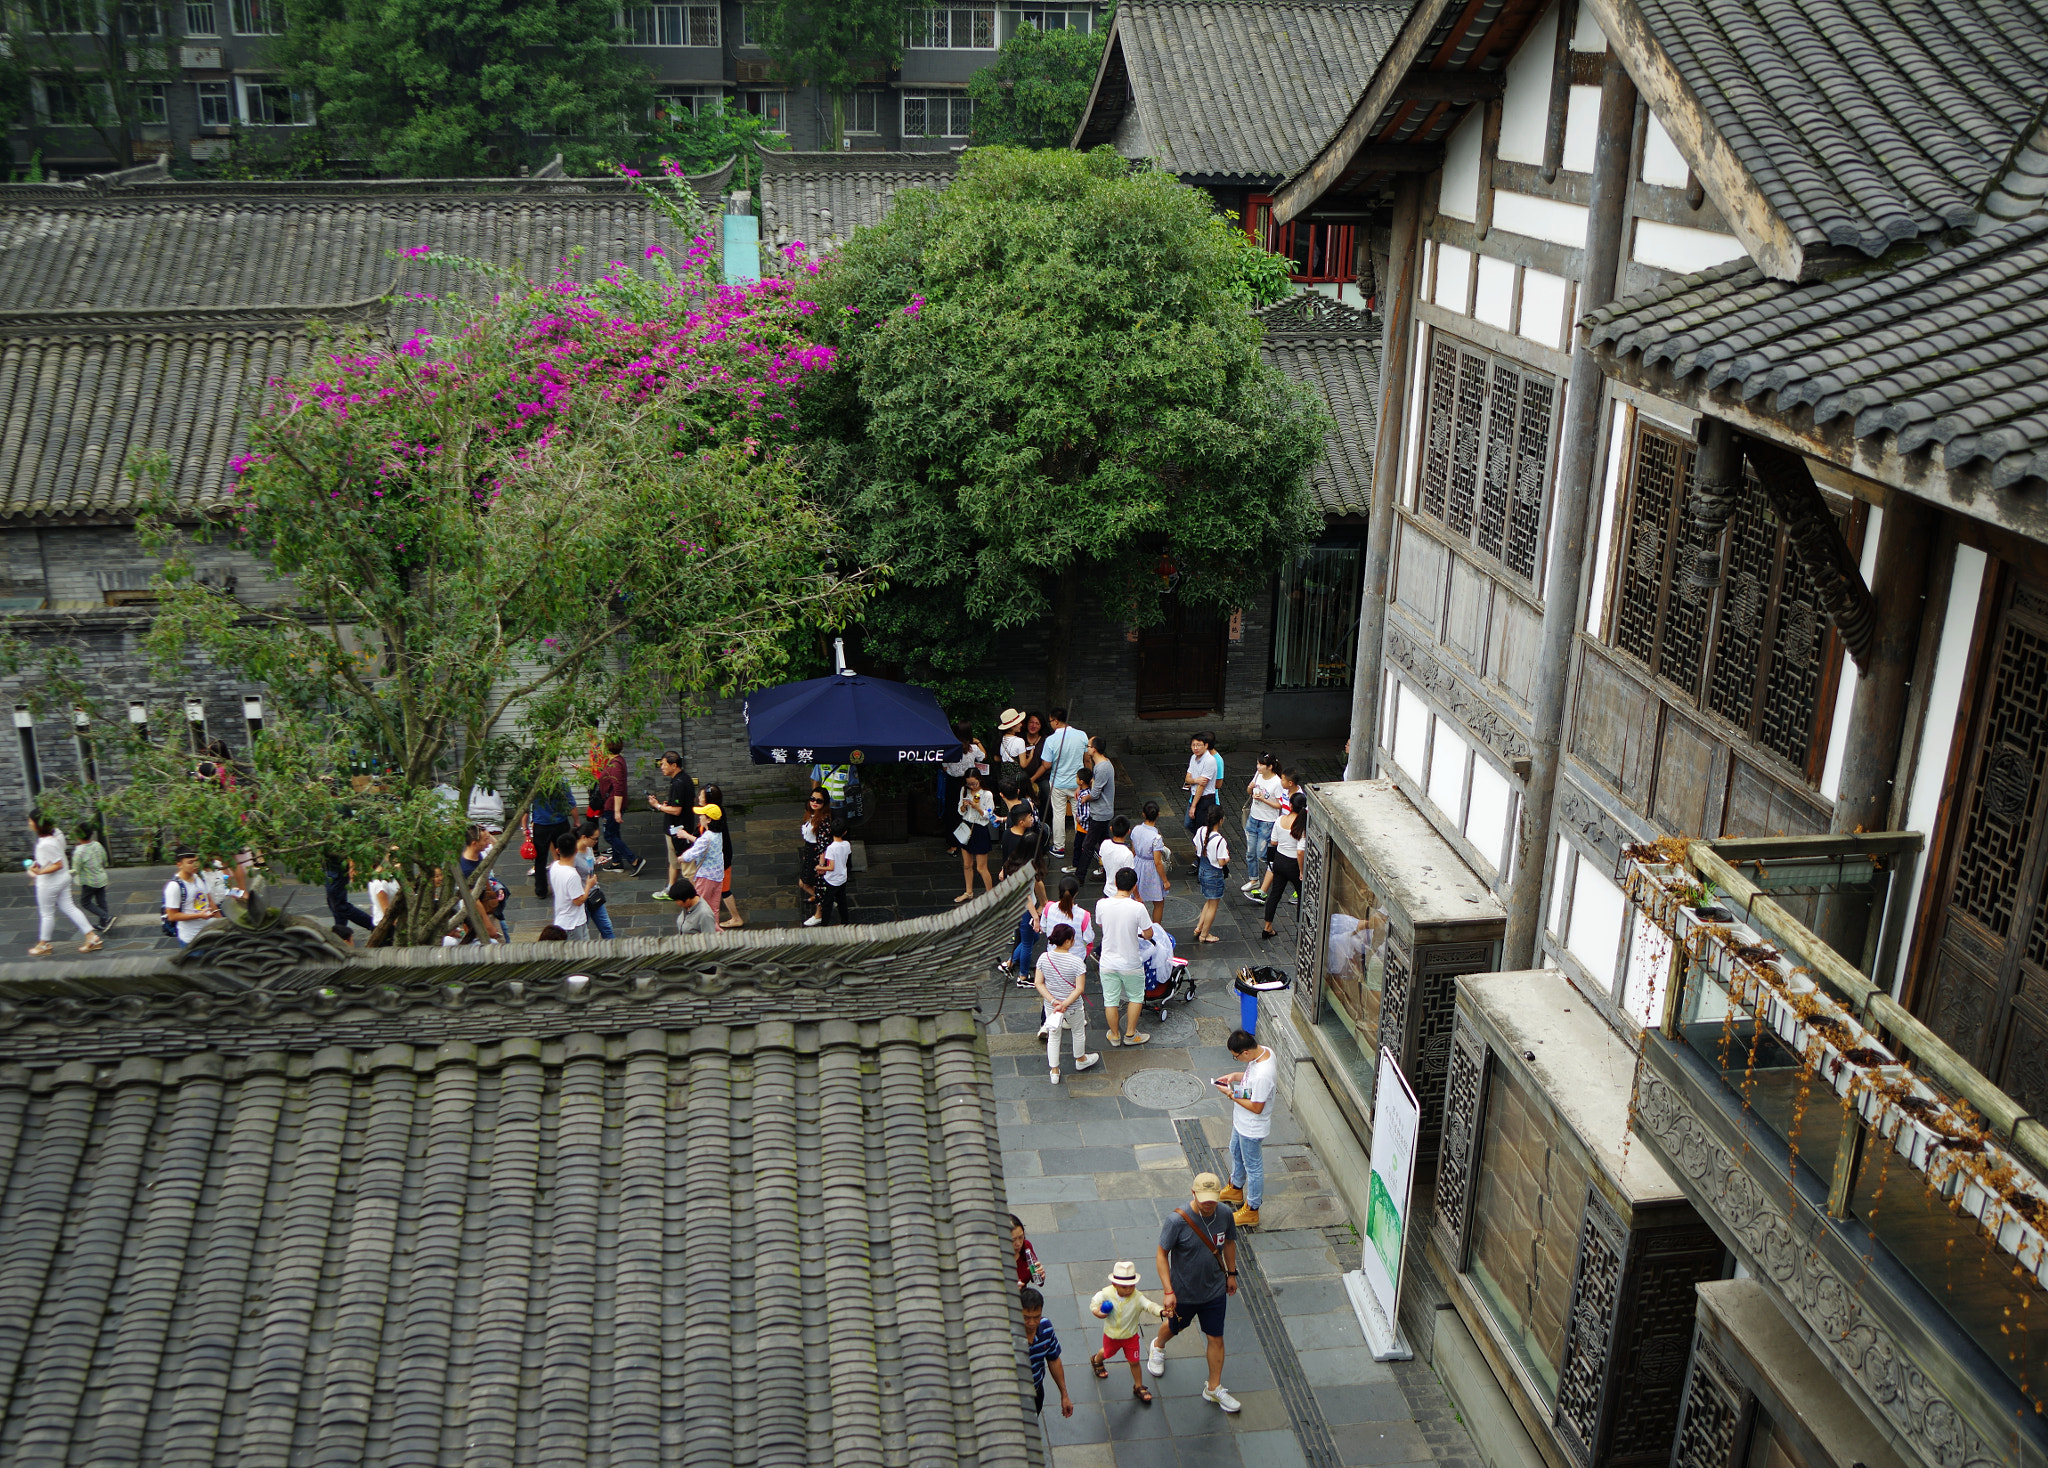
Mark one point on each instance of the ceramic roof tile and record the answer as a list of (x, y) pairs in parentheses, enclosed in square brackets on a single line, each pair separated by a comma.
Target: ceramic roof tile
[(543, 1247), (1946, 351), (821, 198), (1243, 88), (1864, 122), (1334, 349)]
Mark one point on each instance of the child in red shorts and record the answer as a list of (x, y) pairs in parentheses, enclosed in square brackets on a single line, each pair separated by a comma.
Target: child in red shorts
[(1120, 1308)]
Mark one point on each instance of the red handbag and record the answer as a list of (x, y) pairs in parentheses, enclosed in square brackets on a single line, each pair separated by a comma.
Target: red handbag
[(527, 850)]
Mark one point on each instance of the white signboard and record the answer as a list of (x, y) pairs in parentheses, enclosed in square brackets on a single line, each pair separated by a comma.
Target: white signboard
[(1375, 1288), (1649, 970)]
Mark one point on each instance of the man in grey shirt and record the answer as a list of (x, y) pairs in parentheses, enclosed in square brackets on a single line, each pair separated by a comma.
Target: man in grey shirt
[(693, 914), (1101, 805), (1198, 1266)]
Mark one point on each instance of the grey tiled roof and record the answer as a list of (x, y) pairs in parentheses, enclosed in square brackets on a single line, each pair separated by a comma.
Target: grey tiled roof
[(167, 247), (1863, 122), (821, 198), (1946, 351), (1334, 349), (771, 1244), (1239, 88)]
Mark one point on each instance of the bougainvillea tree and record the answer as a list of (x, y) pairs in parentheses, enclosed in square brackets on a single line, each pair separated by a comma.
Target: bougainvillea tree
[(538, 511)]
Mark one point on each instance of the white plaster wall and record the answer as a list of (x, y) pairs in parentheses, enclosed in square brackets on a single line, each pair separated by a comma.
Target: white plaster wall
[(1454, 279), (1675, 247), (1494, 299), (1938, 730), (1581, 129), (1662, 162), (1598, 911), (1411, 733), (1542, 307), (1587, 35), (1610, 494), (1486, 818), (1525, 102), (1845, 689), (1458, 196), (1447, 755), (1542, 219)]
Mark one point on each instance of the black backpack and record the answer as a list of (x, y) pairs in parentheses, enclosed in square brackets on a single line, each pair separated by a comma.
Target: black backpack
[(170, 928)]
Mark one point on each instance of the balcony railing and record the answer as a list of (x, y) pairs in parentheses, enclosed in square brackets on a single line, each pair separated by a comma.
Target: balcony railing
[(1919, 1152)]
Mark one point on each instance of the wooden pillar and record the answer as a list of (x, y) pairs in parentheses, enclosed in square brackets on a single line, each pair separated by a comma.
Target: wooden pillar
[(1579, 463), (1397, 337), (1877, 714)]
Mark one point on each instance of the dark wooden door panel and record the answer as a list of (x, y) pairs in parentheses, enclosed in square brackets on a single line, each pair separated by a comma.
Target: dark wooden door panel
[(1180, 662)]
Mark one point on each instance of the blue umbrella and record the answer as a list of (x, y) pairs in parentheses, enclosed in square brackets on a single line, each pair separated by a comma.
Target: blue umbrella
[(848, 718)]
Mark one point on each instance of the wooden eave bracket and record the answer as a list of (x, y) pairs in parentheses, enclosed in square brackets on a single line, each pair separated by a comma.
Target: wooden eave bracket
[(1817, 542)]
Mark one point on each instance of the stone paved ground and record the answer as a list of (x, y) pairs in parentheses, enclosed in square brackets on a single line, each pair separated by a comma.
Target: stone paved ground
[(1093, 1173)]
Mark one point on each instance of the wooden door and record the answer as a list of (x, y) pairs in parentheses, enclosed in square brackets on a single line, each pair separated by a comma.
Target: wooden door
[(1180, 662), (1987, 992)]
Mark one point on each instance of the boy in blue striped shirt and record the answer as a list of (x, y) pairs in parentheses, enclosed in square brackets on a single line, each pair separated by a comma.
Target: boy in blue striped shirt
[(1044, 1345)]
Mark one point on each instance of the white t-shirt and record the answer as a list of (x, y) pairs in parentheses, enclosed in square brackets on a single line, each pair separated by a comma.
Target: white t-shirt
[(971, 758), (1011, 747), (1269, 798), (840, 854), (1261, 1078), (189, 896), (566, 883), (1052, 915), (384, 887), (1204, 770), (1120, 920), (1061, 971), (979, 807), (1215, 846), (52, 848), (1116, 856), (1284, 840)]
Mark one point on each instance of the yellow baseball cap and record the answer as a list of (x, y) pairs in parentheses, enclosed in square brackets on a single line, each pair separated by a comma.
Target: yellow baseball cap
[(712, 811)]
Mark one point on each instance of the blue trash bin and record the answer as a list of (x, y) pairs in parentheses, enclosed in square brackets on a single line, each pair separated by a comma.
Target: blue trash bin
[(1251, 983)]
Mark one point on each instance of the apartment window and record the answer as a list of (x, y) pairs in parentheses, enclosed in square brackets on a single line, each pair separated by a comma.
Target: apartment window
[(940, 30), (864, 112), (138, 719), (1056, 18), (1490, 428), (65, 17), (62, 103), (1755, 649), (31, 767), (671, 25), (199, 18), (771, 107), (195, 724), (1315, 618), (252, 715), (141, 19), (152, 106), (937, 115), (751, 33), (258, 17), (1317, 252), (674, 106), (216, 107), (273, 104)]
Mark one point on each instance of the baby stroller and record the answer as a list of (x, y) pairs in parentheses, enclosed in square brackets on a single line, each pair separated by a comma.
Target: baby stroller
[(1166, 977)]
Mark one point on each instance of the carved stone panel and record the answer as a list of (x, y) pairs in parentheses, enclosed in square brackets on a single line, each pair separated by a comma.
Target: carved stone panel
[(1589, 1332), (1308, 956), (1463, 1092), (1475, 713), (1581, 813), (1717, 1408)]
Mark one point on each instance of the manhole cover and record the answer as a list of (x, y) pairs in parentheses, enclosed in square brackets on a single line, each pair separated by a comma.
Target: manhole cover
[(1165, 1090), (1175, 1029)]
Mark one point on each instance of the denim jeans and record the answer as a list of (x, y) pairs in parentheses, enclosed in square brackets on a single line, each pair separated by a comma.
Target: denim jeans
[(1248, 1167), (1256, 836), (599, 919), (615, 839)]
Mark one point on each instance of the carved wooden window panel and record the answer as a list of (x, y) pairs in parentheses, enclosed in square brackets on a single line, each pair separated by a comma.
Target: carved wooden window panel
[(1757, 651), (1491, 429)]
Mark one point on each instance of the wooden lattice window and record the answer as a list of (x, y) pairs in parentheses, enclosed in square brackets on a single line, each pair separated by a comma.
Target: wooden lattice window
[(1756, 650), (1490, 428)]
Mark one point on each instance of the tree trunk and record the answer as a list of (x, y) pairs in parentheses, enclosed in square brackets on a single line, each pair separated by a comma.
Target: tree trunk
[(838, 121), (1066, 597)]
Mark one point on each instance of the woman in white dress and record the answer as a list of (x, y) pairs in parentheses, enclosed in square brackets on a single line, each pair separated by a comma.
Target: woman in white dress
[(51, 868)]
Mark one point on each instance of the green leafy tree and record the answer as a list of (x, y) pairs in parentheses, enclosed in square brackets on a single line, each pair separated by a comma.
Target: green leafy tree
[(701, 142), (833, 45), (103, 66), (577, 502), (1051, 380), (452, 88), (1033, 95)]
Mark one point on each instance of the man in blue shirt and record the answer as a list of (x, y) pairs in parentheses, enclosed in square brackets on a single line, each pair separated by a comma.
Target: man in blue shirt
[(1063, 751), (553, 810), (1043, 1344)]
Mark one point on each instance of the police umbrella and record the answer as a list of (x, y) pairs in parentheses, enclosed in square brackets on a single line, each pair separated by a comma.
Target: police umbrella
[(848, 718)]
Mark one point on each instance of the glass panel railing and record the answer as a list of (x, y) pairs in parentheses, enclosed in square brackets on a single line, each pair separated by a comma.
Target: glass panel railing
[(1942, 1167)]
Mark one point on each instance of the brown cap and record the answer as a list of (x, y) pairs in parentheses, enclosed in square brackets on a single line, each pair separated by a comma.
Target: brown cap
[(1208, 1188)]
